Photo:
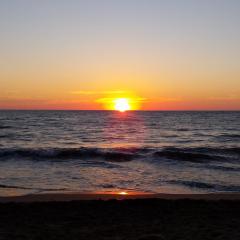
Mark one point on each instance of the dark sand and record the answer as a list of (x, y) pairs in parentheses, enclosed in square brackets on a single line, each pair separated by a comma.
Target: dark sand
[(165, 216)]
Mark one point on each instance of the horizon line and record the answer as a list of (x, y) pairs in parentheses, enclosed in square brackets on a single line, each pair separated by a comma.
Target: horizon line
[(141, 110)]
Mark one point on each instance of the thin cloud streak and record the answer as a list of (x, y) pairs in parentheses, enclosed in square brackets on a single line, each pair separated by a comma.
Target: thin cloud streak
[(96, 92), (109, 99)]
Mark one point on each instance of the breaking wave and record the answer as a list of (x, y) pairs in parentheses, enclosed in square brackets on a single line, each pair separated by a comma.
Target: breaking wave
[(67, 153), (209, 186), (4, 127), (198, 155), (30, 188)]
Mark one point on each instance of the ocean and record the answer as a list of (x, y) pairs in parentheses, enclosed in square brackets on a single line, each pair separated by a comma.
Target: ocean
[(105, 151)]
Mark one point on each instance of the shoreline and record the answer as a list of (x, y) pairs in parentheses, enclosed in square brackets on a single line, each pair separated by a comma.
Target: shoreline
[(78, 196), (157, 217)]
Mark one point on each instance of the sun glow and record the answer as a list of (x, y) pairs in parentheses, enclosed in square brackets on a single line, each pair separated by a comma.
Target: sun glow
[(123, 193), (122, 104)]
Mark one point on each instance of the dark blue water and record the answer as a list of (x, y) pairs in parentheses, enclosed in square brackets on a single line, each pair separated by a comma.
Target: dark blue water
[(176, 152)]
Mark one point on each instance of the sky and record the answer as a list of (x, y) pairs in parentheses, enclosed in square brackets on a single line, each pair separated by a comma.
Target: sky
[(83, 54)]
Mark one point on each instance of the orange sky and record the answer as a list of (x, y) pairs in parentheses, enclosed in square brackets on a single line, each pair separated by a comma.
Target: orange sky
[(82, 55)]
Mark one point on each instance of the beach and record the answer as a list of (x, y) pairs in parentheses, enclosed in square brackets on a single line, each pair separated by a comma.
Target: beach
[(120, 120), (79, 216), (176, 176)]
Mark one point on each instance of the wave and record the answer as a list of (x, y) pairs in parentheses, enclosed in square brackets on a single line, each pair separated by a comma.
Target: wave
[(229, 135), (182, 129), (30, 188), (223, 168), (200, 155), (203, 185), (68, 153), (124, 154), (5, 127), (4, 136)]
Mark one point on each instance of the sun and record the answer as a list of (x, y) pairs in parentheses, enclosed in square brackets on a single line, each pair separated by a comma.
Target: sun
[(121, 104), (123, 193)]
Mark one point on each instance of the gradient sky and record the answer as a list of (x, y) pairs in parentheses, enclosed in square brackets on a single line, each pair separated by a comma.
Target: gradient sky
[(79, 54)]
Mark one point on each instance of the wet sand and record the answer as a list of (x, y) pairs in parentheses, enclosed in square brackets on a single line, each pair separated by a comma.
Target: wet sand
[(141, 217)]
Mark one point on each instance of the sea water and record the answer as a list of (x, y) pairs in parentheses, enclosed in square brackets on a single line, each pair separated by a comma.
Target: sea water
[(147, 151)]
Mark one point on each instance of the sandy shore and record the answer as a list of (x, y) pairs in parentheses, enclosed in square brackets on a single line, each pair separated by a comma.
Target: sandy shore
[(72, 196), (165, 217)]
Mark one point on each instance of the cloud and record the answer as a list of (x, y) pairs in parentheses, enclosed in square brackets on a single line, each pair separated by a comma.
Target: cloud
[(96, 92), (232, 97), (131, 99), (166, 99)]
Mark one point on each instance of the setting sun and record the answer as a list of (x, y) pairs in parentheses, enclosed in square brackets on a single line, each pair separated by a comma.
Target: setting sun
[(121, 104), (123, 193)]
